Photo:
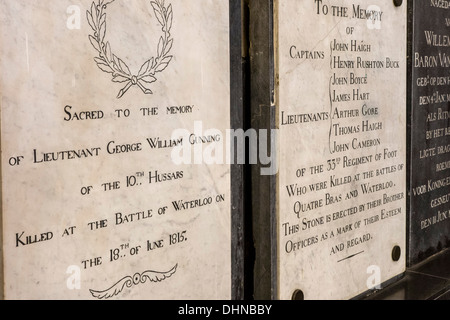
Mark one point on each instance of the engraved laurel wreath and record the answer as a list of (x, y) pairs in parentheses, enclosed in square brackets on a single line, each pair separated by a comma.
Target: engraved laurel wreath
[(138, 278), (110, 63)]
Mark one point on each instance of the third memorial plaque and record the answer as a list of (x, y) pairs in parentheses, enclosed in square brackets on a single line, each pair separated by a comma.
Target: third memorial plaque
[(429, 223)]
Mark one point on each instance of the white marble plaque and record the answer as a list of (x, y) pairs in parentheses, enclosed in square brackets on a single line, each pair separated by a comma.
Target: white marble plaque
[(102, 198), (341, 88)]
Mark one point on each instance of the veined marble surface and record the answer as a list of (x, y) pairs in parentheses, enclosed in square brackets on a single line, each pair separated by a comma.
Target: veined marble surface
[(341, 71), (93, 204)]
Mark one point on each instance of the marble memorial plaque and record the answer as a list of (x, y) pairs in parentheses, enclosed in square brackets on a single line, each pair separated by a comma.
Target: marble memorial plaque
[(109, 112), (340, 88), (429, 221)]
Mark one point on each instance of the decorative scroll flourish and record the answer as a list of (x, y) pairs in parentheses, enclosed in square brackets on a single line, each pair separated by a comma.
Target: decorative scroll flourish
[(108, 62), (138, 278)]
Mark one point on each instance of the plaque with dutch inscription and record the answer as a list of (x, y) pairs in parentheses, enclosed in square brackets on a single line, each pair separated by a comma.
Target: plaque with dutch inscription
[(429, 221), (114, 116), (340, 88)]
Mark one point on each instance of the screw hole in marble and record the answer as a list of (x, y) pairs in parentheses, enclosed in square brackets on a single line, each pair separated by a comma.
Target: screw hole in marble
[(396, 253), (298, 295)]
